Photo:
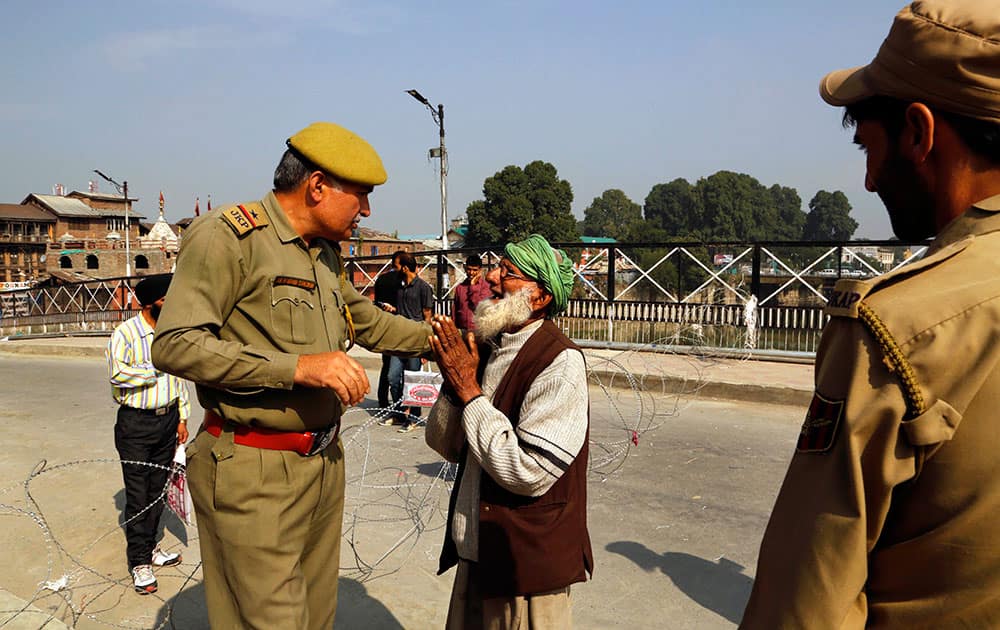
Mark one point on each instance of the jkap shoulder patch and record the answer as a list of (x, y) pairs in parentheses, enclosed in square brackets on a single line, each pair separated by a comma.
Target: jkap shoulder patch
[(845, 297), (244, 218), (820, 427)]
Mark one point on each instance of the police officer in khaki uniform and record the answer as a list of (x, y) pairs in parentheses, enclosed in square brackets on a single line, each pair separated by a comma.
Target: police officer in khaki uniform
[(259, 316), (888, 515)]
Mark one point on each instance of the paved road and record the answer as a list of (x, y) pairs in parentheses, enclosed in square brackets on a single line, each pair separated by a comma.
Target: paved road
[(675, 526)]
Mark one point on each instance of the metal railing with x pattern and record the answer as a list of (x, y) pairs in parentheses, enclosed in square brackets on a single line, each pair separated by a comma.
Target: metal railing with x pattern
[(764, 296), (737, 296)]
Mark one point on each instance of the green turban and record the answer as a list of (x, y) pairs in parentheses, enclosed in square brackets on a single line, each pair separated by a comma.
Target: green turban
[(550, 267)]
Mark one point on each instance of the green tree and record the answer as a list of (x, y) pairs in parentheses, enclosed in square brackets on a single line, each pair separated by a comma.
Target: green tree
[(723, 206), (613, 215), (674, 209), (519, 202), (737, 207), (790, 217), (829, 218)]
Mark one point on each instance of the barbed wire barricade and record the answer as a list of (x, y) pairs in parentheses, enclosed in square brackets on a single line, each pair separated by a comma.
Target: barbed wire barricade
[(77, 575), (76, 585)]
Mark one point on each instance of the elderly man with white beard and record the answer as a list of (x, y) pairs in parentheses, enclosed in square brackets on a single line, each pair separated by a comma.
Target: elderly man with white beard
[(515, 416)]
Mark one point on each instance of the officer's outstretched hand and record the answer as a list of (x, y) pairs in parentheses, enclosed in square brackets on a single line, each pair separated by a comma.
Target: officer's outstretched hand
[(336, 371)]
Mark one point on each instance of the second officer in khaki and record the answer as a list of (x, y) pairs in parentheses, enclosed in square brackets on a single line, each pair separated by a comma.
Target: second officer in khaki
[(259, 316), (887, 517)]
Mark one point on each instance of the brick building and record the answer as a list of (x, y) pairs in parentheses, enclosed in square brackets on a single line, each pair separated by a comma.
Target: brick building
[(89, 236), (24, 234)]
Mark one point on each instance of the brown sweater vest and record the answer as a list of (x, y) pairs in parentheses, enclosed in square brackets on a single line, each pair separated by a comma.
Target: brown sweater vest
[(529, 544)]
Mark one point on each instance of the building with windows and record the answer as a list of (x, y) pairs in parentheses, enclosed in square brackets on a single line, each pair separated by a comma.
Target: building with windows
[(89, 236), (24, 234), (368, 242)]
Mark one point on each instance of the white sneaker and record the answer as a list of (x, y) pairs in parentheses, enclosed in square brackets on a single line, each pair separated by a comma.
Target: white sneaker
[(143, 579), (165, 558)]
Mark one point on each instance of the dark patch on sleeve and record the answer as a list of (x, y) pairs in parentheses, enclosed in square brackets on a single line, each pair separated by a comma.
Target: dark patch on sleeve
[(819, 430)]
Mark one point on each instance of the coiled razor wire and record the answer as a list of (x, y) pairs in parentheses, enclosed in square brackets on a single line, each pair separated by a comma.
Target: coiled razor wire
[(388, 506)]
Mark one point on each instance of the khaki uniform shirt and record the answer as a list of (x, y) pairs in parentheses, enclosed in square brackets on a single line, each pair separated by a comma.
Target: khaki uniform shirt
[(247, 298), (889, 514)]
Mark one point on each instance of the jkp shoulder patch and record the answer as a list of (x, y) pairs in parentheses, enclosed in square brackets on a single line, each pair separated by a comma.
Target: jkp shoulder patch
[(820, 427), (245, 218)]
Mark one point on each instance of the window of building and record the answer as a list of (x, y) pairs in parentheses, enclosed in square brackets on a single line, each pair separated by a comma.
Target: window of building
[(351, 249), (141, 262), (65, 262), (374, 250), (92, 262)]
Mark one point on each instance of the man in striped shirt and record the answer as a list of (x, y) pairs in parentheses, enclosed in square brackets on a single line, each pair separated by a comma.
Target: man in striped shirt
[(152, 421)]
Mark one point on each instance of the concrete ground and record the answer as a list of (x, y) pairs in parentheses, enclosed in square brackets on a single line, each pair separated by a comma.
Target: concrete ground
[(675, 520)]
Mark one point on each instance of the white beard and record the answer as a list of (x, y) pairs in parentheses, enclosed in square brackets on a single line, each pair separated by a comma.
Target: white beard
[(493, 317)]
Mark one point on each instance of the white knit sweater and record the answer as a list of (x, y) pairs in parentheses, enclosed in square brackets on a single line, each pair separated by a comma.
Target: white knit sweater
[(549, 436)]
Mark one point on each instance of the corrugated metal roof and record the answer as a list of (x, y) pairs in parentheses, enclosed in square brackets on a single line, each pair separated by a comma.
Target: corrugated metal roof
[(21, 211), (63, 206), (70, 207), (100, 196)]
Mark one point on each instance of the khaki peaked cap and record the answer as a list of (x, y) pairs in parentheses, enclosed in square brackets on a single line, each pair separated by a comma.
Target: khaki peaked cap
[(944, 53), (339, 152)]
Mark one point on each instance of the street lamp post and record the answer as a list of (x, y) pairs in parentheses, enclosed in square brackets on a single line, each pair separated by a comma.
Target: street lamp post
[(122, 188), (442, 155)]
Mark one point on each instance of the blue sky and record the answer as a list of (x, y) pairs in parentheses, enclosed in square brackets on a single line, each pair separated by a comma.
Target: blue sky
[(197, 98)]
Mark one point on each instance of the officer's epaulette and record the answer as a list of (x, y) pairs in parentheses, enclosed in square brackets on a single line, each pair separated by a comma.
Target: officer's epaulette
[(243, 218), (848, 300), (848, 294)]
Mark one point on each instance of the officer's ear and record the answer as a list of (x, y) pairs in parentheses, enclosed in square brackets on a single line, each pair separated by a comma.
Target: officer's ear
[(315, 183), (917, 137)]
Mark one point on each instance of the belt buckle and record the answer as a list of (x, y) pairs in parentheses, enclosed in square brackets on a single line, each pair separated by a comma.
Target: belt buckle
[(320, 440), (162, 411)]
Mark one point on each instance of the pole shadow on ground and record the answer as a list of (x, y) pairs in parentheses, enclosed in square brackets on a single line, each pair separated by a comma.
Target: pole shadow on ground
[(355, 609), (718, 586)]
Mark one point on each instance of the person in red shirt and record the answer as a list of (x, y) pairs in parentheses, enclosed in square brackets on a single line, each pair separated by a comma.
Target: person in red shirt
[(469, 293)]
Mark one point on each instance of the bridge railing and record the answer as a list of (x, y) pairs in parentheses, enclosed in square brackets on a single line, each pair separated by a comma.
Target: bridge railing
[(727, 295)]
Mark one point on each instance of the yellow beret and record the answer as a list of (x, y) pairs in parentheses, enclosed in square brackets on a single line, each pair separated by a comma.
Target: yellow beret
[(339, 152)]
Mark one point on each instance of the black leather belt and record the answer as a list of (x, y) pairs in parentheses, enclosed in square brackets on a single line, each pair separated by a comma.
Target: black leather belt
[(159, 411)]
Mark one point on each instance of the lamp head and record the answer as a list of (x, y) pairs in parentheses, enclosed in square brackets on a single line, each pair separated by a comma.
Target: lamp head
[(417, 95)]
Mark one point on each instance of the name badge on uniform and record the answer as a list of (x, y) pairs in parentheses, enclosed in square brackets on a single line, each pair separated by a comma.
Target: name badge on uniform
[(820, 427), (289, 281)]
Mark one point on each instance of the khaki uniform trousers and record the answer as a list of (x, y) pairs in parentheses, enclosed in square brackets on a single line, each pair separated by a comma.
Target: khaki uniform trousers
[(469, 611), (269, 526)]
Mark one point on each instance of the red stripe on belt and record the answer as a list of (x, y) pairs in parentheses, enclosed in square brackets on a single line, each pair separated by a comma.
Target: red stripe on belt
[(299, 441)]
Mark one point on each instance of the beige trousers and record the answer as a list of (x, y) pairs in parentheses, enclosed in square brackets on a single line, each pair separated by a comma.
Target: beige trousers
[(269, 525), (469, 611)]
